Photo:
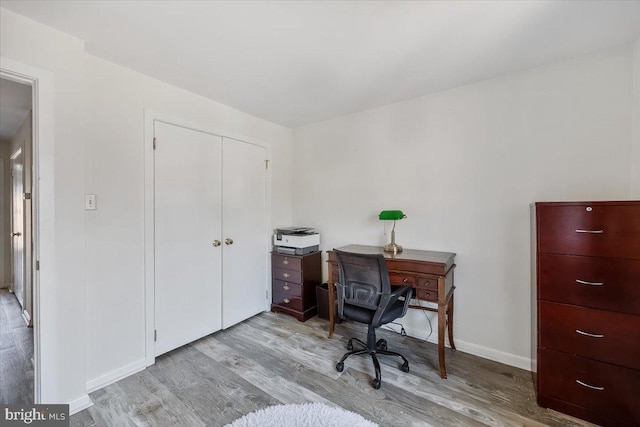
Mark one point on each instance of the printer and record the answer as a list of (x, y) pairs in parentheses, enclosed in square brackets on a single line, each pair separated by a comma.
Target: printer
[(296, 240)]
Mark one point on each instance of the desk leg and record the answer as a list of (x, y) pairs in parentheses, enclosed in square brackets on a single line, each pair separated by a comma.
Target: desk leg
[(450, 322), (332, 306), (442, 308)]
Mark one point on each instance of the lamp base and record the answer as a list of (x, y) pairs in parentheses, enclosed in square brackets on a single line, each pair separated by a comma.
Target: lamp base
[(393, 248)]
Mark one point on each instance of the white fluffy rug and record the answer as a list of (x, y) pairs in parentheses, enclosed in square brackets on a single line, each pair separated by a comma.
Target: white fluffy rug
[(302, 415)]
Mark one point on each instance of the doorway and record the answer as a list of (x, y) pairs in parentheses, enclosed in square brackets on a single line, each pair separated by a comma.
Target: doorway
[(44, 308), (16, 296)]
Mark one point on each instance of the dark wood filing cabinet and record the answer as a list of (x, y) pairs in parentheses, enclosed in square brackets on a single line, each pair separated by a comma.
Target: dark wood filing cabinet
[(294, 281), (588, 310)]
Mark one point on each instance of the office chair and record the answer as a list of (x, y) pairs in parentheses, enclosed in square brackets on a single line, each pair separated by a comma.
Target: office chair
[(365, 296)]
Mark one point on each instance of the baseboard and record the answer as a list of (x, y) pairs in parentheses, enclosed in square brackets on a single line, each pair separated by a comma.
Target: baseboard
[(80, 404), (495, 355), (117, 375), (475, 349)]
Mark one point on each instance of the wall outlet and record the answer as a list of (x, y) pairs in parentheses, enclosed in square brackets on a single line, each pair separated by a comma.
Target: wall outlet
[(90, 202)]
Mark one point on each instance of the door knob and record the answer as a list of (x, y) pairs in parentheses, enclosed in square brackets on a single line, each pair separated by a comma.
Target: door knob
[(228, 241), (216, 243), (17, 234)]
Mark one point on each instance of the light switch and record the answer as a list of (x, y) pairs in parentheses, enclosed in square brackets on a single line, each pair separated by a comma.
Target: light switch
[(90, 202)]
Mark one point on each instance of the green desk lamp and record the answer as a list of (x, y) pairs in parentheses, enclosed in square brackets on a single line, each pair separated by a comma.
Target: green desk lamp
[(388, 216)]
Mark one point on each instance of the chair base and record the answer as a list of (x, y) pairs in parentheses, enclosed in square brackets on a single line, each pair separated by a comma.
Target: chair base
[(373, 347)]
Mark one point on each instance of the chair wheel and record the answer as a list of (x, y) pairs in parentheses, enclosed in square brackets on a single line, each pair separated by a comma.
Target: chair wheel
[(340, 367), (381, 344), (405, 367), (376, 384)]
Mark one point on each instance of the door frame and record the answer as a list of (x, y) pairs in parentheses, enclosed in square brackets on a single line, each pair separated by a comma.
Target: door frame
[(42, 174), (150, 116)]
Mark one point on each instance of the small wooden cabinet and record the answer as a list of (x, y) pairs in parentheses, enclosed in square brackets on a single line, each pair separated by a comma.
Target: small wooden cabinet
[(294, 281), (588, 309)]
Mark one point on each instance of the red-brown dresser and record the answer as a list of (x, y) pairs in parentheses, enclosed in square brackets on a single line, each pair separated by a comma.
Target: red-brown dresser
[(588, 309), (293, 285)]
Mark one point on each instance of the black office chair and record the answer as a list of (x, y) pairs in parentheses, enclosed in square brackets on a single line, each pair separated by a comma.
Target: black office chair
[(364, 295)]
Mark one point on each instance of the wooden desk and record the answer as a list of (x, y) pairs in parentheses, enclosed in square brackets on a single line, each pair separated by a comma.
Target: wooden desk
[(429, 273)]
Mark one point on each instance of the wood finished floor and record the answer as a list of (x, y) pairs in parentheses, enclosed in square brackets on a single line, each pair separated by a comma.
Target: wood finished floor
[(273, 359), (16, 352)]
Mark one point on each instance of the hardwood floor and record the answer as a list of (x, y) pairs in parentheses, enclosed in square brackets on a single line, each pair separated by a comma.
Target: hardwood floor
[(16, 352), (274, 359)]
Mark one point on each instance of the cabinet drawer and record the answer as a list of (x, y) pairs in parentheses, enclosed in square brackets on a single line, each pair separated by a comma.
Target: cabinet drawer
[(288, 301), (590, 229), (597, 334), (402, 279), (287, 288), (597, 386), (286, 262), (609, 284), (287, 275), (428, 282), (427, 294)]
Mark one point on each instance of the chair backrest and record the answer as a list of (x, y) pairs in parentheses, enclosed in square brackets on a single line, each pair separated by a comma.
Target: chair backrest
[(363, 279)]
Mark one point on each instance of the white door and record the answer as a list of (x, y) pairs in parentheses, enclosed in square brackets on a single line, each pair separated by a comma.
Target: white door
[(244, 217), (187, 178), (17, 224)]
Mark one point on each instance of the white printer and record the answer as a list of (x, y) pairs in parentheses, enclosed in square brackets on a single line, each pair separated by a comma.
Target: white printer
[(296, 240)]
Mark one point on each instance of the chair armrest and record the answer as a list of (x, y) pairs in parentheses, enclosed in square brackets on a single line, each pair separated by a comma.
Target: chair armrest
[(387, 300)]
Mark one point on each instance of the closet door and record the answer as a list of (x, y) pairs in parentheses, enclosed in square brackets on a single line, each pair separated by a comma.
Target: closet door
[(187, 177), (244, 269)]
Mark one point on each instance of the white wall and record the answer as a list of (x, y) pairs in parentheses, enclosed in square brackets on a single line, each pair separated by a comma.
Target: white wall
[(114, 171), (464, 165), (98, 311), (635, 158)]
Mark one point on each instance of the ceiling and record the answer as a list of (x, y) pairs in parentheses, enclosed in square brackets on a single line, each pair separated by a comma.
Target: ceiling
[(15, 104), (295, 62)]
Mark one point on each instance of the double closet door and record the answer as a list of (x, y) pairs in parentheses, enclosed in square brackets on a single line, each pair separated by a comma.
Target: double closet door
[(210, 233)]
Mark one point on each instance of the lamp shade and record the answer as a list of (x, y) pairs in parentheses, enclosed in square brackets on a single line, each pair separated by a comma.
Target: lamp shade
[(391, 215)]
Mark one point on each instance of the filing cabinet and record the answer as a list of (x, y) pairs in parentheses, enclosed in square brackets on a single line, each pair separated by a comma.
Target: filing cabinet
[(588, 309), (293, 285)]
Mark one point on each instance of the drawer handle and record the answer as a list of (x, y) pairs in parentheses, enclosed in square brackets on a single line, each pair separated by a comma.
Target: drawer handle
[(285, 262), (584, 282), (285, 287), (590, 231), (588, 334), (286, 300), (592, 387), (285, 274)]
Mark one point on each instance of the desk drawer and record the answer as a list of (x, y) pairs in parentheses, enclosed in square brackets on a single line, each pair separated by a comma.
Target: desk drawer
[(427, 294), (402, 279), (287, 275), (287, 288), (286, 262), (607, 230), (596, 334), (430, 282), (288, 301), (605, 388), (605, 283)]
